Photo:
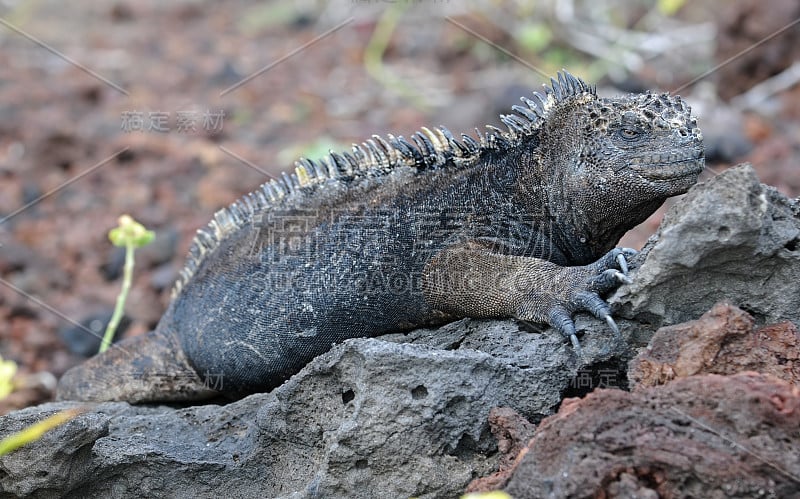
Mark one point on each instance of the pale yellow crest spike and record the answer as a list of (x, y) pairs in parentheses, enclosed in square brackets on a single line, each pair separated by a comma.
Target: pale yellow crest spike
[(303, 178), (437, 143)]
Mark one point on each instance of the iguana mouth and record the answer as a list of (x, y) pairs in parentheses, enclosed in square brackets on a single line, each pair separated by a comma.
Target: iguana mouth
[(668, 166)]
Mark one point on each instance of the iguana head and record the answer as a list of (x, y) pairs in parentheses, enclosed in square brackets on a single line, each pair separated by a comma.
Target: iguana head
[(611, 162), (644, 145)]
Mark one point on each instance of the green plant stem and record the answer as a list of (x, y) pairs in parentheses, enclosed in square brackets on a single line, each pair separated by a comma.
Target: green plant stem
[(127, 279), (375, 50), (35, 431)]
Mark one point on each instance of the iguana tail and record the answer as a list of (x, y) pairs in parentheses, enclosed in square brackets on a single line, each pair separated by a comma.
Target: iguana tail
[(146, 368)]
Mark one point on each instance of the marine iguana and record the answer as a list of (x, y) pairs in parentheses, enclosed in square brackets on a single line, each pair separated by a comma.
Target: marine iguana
[(396, 235)]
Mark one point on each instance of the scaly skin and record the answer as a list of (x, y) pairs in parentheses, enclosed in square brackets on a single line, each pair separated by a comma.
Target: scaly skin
[(519, 224)]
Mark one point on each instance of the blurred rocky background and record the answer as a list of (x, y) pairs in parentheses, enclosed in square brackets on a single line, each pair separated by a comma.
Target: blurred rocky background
[(170, 111)]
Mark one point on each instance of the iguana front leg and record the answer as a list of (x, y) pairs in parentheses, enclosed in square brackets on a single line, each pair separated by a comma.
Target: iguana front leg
[(471, 280)]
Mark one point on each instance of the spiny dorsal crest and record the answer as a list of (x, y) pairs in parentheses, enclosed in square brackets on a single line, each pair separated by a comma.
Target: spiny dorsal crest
[(431, 149)]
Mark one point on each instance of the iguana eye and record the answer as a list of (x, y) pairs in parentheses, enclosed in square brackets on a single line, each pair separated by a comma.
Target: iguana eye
[(629, 133)]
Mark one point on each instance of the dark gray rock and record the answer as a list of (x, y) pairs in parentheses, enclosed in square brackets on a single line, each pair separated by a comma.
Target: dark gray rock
[(396, 416), (730, 239)]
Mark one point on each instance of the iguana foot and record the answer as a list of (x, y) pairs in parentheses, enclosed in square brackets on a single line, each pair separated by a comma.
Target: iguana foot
[(579, 289)]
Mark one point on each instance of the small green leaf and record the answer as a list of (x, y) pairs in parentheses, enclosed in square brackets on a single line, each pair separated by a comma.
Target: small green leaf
[(670, 7), (534, 37), (8, 368)]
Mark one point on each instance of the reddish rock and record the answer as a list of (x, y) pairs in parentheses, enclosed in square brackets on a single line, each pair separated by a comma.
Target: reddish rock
[(722, 341), (702, 436), (512, 432)]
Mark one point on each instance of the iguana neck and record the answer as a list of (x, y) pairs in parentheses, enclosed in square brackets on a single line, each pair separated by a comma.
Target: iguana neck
[(581, 218), (592, 219)]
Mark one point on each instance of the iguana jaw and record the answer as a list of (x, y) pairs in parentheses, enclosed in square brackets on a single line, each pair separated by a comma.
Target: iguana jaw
[(669, 166)]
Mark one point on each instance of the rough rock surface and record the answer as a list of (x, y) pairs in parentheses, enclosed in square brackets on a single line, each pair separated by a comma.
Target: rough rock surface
[(722, 341), (370, 418), (406, 415), (512, 432), (729, 239), (702, 436)]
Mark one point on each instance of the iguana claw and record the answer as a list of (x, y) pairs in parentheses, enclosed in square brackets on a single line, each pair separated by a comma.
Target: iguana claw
[(562, 321), (623, 263), (613, 325), (576, 345), (623, 278)]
